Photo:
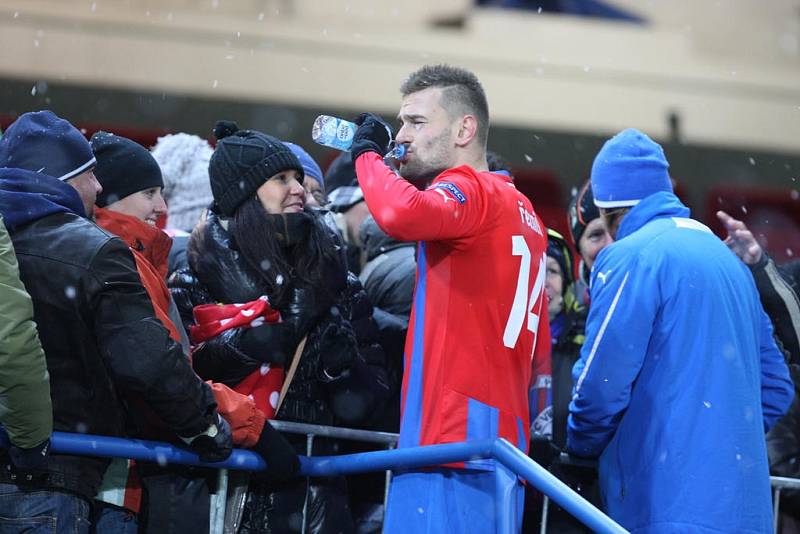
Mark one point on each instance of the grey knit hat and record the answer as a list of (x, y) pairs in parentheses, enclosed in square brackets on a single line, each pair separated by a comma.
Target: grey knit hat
[(183, 159)]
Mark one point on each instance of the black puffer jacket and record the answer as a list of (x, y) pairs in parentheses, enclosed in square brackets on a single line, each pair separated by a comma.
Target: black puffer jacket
[(218, 273), (99, 334)]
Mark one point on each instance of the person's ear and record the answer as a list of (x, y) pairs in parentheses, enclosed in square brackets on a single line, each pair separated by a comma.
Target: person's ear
[(467, 130)]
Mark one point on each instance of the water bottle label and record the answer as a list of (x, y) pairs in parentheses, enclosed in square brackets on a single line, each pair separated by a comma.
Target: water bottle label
[(333, 132), (345, 133)]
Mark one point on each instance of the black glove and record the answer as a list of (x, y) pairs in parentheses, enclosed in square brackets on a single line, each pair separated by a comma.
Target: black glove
[(26, 462), (373, 135), (270, 343), (215, 444), (281, 458), (543, 451), (304, 308), (338, 348)]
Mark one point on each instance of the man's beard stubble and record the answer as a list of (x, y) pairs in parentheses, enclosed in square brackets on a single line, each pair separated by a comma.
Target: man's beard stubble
[(422, 173)]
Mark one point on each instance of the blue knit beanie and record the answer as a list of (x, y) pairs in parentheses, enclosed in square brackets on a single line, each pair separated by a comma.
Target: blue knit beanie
[(40, 141), (310, 167), (629, 168)]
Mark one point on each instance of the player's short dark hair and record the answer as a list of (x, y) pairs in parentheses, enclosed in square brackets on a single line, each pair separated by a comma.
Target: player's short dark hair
[(462, 93)]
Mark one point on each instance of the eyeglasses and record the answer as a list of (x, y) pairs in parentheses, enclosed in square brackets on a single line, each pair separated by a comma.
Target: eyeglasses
[(579, 203), (611, 213)]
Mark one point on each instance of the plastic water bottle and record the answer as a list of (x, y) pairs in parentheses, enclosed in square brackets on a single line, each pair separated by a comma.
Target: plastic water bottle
[(338, 133), (333, 132)]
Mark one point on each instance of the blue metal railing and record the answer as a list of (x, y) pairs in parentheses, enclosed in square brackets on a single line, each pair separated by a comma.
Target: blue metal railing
[(510, 461)]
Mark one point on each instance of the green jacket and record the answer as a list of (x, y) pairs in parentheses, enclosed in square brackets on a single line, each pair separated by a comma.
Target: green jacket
[(25, 408)]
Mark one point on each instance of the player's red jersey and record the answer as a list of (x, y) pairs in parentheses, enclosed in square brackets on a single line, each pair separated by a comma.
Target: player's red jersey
[(479, 326)]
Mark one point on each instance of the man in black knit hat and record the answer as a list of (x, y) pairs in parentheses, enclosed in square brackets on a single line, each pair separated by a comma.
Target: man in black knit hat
[(588, 233)]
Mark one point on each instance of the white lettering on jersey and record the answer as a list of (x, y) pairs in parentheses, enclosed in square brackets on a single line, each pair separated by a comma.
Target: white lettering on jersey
[(528, 218)]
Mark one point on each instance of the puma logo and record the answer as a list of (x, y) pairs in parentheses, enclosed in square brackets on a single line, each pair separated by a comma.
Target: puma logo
[(602, 276), (444, 196)]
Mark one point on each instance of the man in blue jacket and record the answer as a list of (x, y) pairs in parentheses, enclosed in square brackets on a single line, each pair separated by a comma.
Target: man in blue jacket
[(679, 377)]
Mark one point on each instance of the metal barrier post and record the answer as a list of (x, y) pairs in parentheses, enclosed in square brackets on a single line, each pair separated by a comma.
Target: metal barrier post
[(545, 513), (386, 485), (776, 508), (507, 510), (779, 484), (309, 453), (218, 502)]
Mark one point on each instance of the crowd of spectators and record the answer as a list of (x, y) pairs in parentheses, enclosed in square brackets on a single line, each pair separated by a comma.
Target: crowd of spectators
[(273, 293)]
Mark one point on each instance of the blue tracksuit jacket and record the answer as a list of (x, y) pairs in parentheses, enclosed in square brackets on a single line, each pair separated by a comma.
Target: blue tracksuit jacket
[(678, 380)]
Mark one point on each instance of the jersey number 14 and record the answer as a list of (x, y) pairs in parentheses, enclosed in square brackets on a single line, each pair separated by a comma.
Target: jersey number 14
[(523, 301)]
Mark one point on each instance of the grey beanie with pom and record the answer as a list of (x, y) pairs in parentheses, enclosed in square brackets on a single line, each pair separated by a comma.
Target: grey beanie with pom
[(183, 159)]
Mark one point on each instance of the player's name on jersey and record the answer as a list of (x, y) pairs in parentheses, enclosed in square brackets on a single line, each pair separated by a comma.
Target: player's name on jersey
[(529, 218)]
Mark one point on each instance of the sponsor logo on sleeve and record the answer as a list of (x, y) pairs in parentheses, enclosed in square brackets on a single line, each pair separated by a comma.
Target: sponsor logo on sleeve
[(451, 188)]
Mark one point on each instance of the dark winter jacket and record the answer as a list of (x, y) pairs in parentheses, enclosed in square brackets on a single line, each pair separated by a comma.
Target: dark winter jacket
[(96, 326), (390, 272), (778, 290), (783, 447), (566, 351), (389, 277), (218, 274)]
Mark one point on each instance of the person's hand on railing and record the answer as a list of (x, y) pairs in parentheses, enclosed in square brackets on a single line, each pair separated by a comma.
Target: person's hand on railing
[(281, 458), (215, 444)]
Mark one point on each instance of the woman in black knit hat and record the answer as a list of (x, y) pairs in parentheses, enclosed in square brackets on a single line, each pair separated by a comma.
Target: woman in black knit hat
[(259, 240)]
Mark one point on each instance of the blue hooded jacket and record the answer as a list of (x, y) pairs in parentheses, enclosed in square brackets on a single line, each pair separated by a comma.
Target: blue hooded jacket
[(678, 380), (27, 196)]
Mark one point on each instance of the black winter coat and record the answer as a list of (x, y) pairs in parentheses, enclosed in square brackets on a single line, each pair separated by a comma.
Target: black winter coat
[(778, 290), (218, 273), (390, 272), (566, 351), (389, 278), (100, 336)]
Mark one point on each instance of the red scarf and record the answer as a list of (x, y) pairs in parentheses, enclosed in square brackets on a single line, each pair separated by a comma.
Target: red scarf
[(262, 385)]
